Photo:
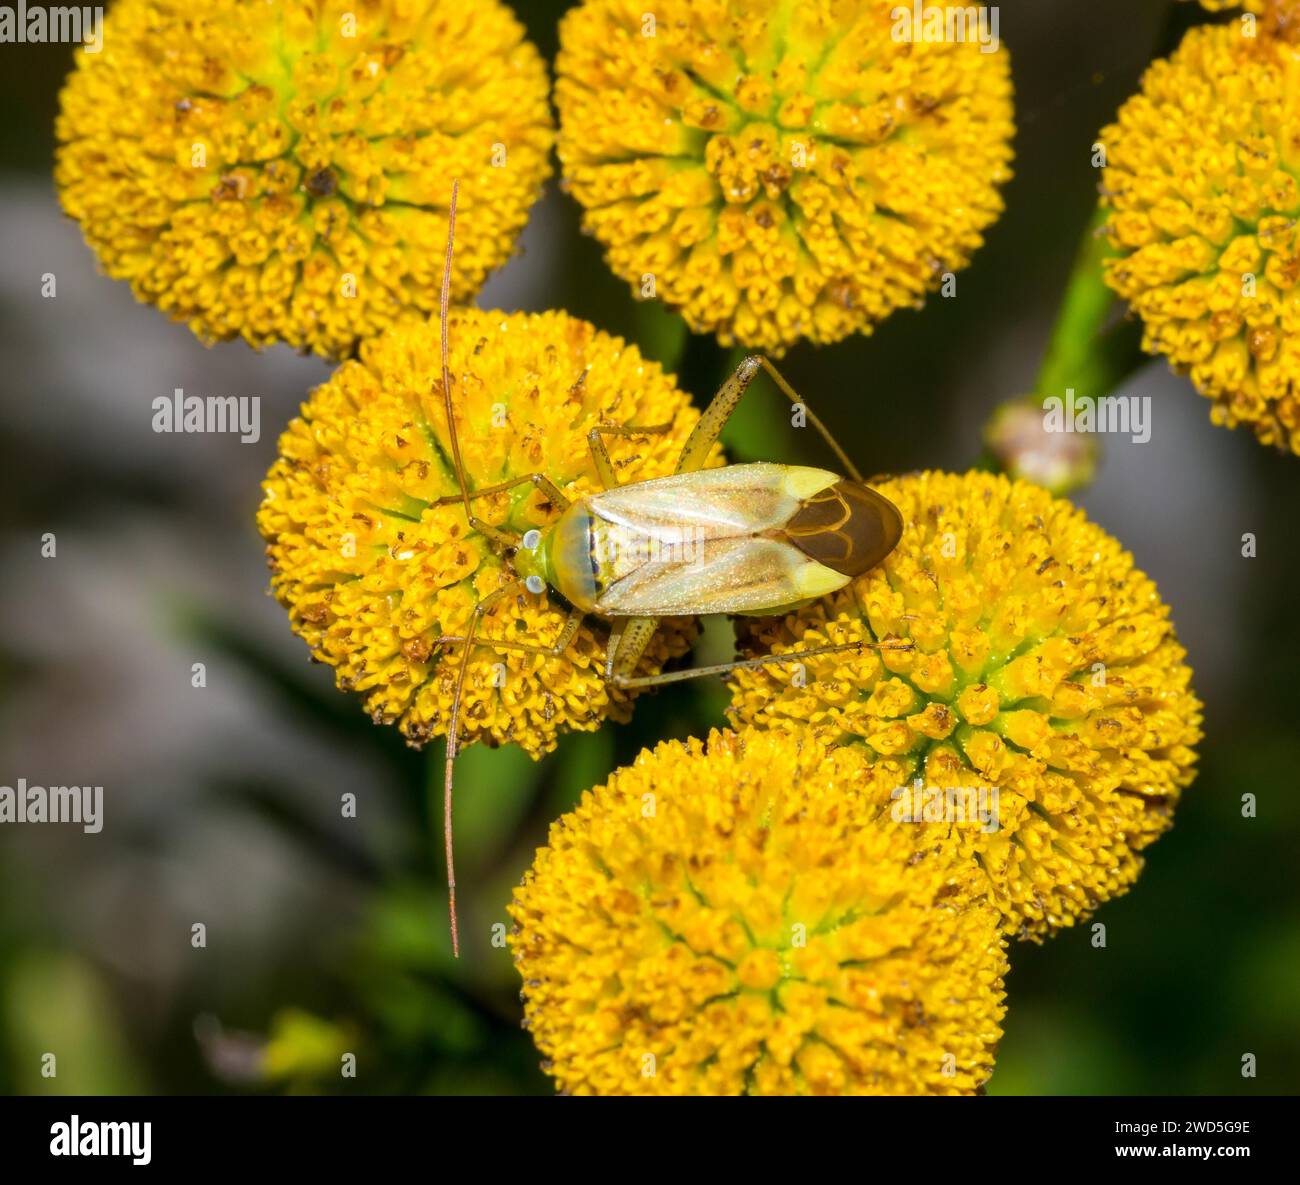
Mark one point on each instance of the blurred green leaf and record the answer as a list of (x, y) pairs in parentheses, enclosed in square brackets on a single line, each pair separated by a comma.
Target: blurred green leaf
[(301, 1046), (56, 1004)]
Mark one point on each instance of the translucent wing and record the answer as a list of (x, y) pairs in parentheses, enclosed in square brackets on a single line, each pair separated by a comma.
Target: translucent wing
[(733, 500), (727, 576), (705, 542)]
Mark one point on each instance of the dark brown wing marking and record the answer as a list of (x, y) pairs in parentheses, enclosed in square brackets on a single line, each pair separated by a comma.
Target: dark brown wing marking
[(849, 527)]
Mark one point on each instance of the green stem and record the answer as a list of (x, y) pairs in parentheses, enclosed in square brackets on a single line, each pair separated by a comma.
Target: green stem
[(1087, 353), (1083, 353)]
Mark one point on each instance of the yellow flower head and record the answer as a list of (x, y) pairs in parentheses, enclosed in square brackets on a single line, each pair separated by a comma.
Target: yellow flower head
[(742, 919), (281, 170), (1203, 213), (373, 572), (1044, 675), (1253, 6), (782, 169)]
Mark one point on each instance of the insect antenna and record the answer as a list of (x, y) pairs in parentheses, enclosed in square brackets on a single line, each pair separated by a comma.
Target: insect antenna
[(486, 603), (443, 305), (453, 724)]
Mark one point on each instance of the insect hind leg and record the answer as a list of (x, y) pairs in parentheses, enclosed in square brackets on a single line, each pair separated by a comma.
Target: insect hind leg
[(789, 392), (791, 656), (724, 403)]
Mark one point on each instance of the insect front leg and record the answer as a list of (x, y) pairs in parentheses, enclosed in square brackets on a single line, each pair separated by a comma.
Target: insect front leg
[(497, 534), (568, 631), (600, 457)]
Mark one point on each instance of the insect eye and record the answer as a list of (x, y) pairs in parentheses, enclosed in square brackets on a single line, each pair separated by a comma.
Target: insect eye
[(530, 541), (534, 584)]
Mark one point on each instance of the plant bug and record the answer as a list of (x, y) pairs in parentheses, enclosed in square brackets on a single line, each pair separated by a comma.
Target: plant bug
[(759, 540)]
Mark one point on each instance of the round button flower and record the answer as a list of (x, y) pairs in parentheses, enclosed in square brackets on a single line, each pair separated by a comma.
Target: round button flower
[(1203, 204), (1044, 710), (783, 169), (281, 171), (369, 546), (1253, 6), (742, 919)]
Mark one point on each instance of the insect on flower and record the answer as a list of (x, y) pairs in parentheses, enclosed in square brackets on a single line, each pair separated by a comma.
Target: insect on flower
[(759, 540)]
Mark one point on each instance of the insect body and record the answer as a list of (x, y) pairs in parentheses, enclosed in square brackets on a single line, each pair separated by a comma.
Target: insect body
[(745, 539), (757, 539)]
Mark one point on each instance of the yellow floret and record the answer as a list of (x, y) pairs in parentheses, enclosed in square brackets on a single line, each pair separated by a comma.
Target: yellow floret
[(1203, 204), (1044, 667), (781, 169), (373, 572), (742, 918), (281, 170)]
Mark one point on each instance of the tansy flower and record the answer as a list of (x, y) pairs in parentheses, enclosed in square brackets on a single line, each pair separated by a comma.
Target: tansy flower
[(742, 919), (1043, 668), (781, 169), (281, 171), (373, 572), (1203, 212), (1255, 6)]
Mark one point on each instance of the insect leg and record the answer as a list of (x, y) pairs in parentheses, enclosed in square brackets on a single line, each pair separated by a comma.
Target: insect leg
[(540, 480), (789, 392), (701, 440), (497, 534), (632, 642), (600, 454), (566, 635), (762, 661), (616, 629), (705, 434)]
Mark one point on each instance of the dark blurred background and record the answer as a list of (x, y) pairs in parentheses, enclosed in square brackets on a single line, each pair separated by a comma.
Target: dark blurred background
[(327, 935)]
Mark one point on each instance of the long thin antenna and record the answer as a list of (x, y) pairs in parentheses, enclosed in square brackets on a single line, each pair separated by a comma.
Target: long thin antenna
[(453, 728), (453, 725), (453, 739), (445, 303)]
